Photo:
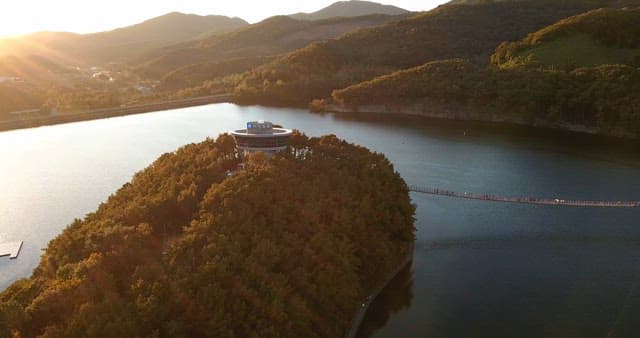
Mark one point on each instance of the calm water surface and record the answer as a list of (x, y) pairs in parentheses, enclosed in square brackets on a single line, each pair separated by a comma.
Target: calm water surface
[(481, 269)]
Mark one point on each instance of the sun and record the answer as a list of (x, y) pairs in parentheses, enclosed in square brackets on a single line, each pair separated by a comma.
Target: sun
[(28, 16)]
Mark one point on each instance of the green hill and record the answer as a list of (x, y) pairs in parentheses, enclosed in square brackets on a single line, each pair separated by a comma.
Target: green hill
[(350, 9), (450, 31), (601, 99), (288, 247), (271, 37), (604, 36)]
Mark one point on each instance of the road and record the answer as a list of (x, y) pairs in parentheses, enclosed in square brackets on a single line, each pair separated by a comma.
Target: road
[(112, 112)]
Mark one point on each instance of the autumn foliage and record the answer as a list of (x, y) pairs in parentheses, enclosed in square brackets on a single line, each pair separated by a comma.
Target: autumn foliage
[(287, 247)]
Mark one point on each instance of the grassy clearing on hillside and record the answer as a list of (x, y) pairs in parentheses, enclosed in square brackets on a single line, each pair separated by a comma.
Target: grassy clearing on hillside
[(598, 37), (579, 50)]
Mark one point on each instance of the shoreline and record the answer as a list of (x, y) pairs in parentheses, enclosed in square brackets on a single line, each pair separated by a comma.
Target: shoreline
[(451, 112), (455, 113), (356, 322), (104, 113)]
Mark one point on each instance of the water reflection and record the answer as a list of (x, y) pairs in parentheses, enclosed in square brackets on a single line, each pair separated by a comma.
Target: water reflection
[(592, 147), (395, 297)]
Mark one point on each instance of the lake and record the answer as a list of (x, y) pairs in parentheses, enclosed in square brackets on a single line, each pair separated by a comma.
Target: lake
[(480, 269)]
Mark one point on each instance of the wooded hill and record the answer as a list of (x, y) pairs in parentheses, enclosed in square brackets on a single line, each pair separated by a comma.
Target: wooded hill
[(287, 248), (526, 85), (451, 31), (196, 74), (605, 98), (271, 37)]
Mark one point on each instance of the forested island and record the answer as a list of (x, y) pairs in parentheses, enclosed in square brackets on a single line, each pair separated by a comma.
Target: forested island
[(288, 247)]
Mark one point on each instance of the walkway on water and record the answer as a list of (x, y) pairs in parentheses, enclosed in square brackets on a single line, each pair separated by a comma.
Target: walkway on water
[(526, 200)]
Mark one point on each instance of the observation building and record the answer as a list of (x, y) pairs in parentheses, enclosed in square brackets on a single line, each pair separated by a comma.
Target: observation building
[(261, 136)]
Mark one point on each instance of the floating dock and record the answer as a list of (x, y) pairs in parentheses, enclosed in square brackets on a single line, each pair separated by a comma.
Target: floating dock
[(10, 249), (526, 200)]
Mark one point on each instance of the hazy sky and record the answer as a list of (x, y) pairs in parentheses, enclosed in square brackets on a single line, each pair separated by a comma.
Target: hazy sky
[(84, 16)]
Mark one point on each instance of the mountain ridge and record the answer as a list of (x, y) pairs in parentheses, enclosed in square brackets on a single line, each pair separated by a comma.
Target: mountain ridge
[(120, 43), (270, 37), (350, 9)]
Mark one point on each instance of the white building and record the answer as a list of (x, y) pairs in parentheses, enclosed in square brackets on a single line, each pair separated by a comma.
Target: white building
[(261, 136)]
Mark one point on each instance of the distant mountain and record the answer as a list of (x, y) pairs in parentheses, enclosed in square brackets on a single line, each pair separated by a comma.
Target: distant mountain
[(350, 9), (449, 31), (119, 44), (273, 36), (604, 36), (169, 28)]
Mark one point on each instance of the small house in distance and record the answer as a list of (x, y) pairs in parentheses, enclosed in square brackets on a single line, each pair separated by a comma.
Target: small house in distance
[(261, 136)]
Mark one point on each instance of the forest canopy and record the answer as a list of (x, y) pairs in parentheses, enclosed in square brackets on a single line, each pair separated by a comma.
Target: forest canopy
[(605, 97), (470, 32), (287, 247), (536, 81)]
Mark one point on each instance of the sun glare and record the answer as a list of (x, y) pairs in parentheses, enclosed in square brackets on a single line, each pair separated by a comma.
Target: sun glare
[(73, 16)]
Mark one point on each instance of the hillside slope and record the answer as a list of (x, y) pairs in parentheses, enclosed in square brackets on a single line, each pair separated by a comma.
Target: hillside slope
[(30, 67), (603, 36), (196, 74), (601, 99), (451, 31), (160, 31), (26, 81), (350, 9), (288, 247), (270, 37)]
